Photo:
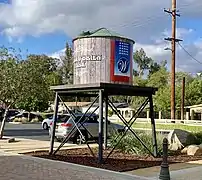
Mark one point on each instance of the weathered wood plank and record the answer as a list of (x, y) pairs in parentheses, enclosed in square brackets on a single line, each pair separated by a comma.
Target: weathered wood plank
[(92, 61)]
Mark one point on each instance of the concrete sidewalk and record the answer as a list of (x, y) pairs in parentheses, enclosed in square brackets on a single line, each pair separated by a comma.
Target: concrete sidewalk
[(179, 171), (21, 167), (27, 145)]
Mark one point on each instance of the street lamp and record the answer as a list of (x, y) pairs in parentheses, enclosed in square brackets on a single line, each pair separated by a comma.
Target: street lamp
[(167, 48)]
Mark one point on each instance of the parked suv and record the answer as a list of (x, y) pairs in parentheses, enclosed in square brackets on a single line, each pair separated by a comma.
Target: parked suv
[(46, 122), (64, 126)]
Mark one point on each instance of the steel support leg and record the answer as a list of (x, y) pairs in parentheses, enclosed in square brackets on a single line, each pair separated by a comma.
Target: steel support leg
[(77, 126), (54, 124), (106, 122), (100, 154), (155, 149), (128, 125)]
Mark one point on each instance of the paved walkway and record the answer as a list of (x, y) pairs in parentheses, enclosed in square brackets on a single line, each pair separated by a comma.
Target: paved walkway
[(27, 145), (194, 173), (178, 171), (20, 167)]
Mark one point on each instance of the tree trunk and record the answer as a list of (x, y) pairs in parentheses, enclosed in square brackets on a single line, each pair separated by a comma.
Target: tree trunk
[(3, 123)]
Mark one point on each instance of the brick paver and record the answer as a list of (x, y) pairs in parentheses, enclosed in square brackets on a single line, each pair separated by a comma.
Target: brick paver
[(20, 167)]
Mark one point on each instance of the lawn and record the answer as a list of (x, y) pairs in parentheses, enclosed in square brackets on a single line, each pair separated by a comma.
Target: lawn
[(191, 128)]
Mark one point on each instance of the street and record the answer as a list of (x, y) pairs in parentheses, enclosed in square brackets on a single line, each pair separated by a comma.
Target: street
[(28, 131)]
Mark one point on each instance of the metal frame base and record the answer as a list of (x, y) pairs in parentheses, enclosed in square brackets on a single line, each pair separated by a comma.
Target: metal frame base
[(102, 92)]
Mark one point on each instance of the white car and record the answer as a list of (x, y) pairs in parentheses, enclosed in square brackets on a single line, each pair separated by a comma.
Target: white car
[(46, 122), (64, 126)]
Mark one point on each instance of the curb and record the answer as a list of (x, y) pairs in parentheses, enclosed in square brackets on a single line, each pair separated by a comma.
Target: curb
[(15, 122), (23, 123)]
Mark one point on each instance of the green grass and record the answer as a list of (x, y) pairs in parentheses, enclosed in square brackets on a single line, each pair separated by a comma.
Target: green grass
[(191, 128)]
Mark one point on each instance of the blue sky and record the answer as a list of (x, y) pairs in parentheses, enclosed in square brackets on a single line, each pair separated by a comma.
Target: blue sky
[(44, 26), (44, 44)]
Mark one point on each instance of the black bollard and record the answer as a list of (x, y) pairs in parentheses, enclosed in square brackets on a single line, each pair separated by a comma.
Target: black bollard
[(164, 172)]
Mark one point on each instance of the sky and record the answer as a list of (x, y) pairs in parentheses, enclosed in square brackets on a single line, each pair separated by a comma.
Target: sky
[(44, 26)]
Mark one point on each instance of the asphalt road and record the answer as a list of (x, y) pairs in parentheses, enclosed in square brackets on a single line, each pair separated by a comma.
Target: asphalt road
[(28, 131)]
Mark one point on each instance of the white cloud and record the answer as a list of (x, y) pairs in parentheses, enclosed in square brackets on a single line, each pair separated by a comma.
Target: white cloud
[(142, 20), (58, 54), (184, 62), (41, 16)]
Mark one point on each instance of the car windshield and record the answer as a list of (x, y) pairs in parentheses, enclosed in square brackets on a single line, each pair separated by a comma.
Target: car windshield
[(62, 118)]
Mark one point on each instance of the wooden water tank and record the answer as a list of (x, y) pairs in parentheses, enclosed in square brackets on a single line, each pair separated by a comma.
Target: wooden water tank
[(103, 56)]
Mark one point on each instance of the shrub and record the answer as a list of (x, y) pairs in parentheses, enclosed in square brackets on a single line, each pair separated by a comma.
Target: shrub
[(22, 120), (130, 144), (35, 120), (110, 113), (198, 137)]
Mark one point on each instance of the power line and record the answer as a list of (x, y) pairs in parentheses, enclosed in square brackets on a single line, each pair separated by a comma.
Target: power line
[(189, 54), (139, 23)]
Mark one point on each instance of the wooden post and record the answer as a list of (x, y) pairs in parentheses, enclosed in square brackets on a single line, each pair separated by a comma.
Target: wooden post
[(159, 114), (187, 115), (182, 98), (192, 114), (147, 114), (173, 40)]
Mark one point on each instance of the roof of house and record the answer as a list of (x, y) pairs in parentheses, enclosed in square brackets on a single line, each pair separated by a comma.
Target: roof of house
[(195, 106), (101, 32), (77, 104), (117, 105)]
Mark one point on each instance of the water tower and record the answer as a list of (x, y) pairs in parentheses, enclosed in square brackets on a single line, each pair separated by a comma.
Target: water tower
[(102, 56)]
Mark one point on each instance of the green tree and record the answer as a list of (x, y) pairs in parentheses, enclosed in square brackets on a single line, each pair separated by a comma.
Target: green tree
[(66, 68), (179, 76), (142, 60), (193, 92), (40, 71), (155, 67), (136, 100), (159, 79), (12, 86)]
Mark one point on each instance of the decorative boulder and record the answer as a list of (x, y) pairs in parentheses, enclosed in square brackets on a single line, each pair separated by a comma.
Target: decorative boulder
[(184, 150), (178, 139), (194, 150)]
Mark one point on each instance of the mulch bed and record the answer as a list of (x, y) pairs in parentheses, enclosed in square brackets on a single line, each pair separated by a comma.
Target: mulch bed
[(118, 161)]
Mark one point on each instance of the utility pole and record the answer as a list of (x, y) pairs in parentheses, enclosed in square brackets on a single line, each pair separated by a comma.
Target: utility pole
[(182, 98), (173, 40)]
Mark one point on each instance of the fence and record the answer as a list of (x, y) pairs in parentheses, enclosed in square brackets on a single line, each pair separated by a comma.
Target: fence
[(161, 121)]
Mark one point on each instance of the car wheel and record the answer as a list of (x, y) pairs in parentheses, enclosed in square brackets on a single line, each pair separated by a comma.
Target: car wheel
[(59, 139), (121, 131), (78, 138), (45, 126)]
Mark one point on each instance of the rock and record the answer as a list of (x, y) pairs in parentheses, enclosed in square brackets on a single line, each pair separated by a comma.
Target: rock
[(178, 139), (194, 150), (10, 140), (184, 151)]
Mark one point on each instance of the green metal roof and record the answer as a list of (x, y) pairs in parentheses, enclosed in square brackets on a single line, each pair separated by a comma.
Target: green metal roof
[(101, 32)]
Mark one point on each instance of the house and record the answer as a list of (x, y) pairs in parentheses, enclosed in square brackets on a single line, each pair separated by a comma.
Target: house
[(195, 111), (123, 108), (72, 105)]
